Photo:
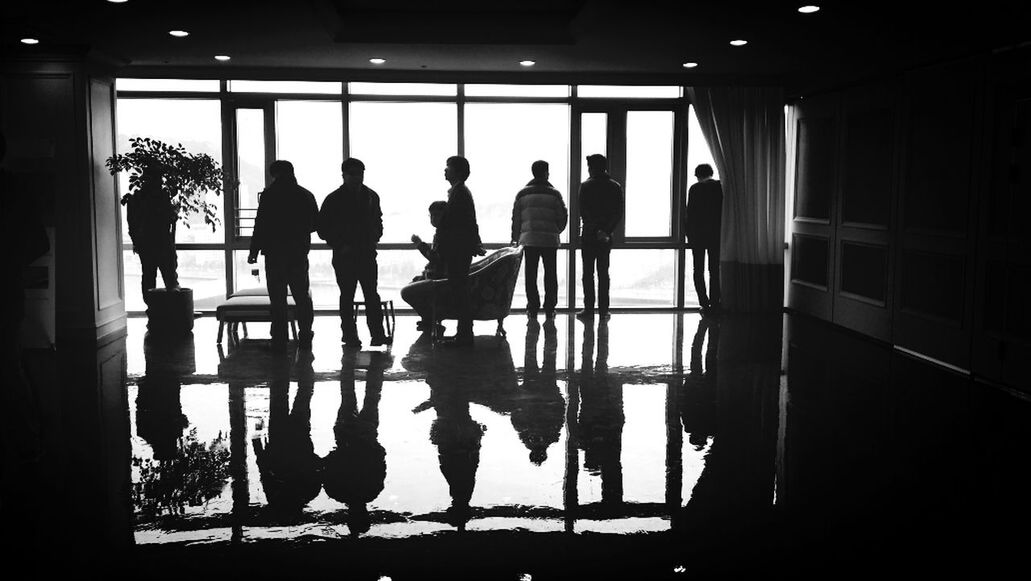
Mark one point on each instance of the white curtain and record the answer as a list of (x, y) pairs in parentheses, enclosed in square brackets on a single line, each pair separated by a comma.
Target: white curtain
[(744, 127)]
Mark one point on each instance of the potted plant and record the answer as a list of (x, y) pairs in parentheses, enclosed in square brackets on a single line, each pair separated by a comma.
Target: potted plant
[(167, 185)]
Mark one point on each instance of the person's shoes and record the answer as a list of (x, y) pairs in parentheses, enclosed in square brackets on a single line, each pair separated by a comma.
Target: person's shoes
[(304, 343), (380, 340), (352, 342), (585, 314), (531, 313), (458, 341), (279, 346)]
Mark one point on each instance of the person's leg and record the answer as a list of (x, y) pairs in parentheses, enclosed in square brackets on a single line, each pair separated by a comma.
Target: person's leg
[(169, 263), (344, 267), (458, 281), (698, 257), (368, 275), (300, 288), (603, 279), (589, 255), (714, 275), (276, 276), (150, 272), (550, 280), (533, 298)]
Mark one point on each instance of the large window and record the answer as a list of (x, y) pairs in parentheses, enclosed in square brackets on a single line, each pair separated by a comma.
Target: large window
[(404, 132), (404, 147), (501, 142)]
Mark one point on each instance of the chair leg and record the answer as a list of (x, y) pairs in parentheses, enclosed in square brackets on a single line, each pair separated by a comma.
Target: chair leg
[(293, 329), (501, 328), (221, 327), (244, 323)]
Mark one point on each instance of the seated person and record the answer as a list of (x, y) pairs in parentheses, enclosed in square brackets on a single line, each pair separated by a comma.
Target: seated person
[(435, 266)]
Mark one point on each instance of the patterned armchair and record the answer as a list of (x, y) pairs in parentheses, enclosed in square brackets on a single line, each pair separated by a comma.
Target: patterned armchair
[(492, 281)]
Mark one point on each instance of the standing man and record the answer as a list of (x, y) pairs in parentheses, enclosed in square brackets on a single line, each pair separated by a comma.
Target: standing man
[(282, 232), (352, 223), (601, 208), (151, 217), (702, 224), (539, 215), (460, 240)]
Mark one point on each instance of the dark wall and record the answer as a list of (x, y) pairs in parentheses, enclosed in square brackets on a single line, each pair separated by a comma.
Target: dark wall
[(910, 197)]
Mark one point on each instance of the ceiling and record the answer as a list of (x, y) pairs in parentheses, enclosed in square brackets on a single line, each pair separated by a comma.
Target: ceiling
[(572, 40)]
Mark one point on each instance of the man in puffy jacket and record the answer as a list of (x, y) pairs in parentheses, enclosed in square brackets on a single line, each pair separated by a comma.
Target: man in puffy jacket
[(539, 215), (282, 232), (352, 223)]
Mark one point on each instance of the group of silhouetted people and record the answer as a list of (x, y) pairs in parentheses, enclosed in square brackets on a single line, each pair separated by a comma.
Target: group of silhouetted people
[(351, 222)]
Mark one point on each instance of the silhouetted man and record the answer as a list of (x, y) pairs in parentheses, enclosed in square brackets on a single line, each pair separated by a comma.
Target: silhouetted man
[(151, 217), (282, 232), (601, 208), (539, 215), (352, 223), (459, 241), (702, 224)]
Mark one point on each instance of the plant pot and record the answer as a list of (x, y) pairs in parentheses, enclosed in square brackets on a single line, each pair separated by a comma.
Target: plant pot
[(169, 311)]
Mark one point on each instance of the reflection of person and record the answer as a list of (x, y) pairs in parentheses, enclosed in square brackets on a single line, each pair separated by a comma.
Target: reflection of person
[(353, 473), (702, 224), (460, 240), (420, 296), (159, 412), (352, 223), (538, 410), (151, 217), (698, 396), (601, 417), (601, 208), (538, 217), (287, 463), (457, 437), (282, 231)]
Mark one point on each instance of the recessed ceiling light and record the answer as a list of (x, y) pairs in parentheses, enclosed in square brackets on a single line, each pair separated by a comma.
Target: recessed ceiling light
[(690, 65), (377, 61), (527, 63), (808, 9), (117, 1), (178, 33), (30, 41), (222, 57), (738, 42)]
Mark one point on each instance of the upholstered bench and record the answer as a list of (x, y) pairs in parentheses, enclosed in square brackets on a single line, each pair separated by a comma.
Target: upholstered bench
[(250, 305)]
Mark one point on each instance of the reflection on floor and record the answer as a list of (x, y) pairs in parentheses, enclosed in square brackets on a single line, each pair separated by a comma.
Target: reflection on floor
[(661, 445)]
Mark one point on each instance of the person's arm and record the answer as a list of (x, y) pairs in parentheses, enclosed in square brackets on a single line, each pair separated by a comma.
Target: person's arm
[(517, 220), (260, 227), (313, 213), (563, 214), (615, 210), (376, 218), (324, 222), (691, 213)]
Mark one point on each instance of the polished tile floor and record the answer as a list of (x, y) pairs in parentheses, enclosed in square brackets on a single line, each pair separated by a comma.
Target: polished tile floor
[(648, 446)]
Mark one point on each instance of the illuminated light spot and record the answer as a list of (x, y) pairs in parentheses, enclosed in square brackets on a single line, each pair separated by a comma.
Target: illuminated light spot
[(179, 33)]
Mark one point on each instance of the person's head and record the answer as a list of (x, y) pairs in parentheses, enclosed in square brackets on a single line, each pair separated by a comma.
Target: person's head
[(353, 171), (282, 170), (538, 455), (457, 169), (539, 169), (703, 171), (358, 519), (153, 173), (597, 164), (437, 210)]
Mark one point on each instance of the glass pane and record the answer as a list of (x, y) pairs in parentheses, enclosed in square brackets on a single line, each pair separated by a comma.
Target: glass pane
[(404, 147), (697, 148), (431, 89), (201, 270), (197, 125), (649, 173), (191, 85), (315, 88), (517, 90), (250, 163), (628, 91), (641, 278), (310, 135), (502, 141), (593, 138)]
